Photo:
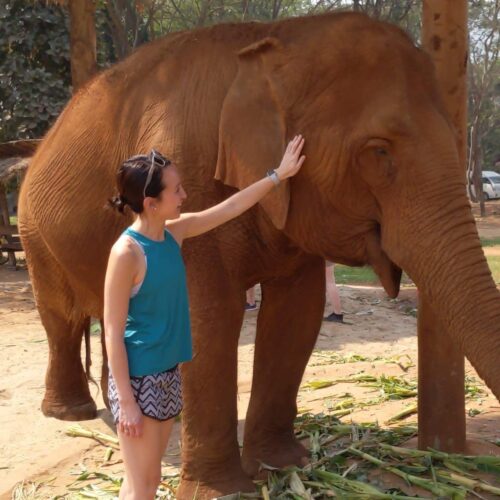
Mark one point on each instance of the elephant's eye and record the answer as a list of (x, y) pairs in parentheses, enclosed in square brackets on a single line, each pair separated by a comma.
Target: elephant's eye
[(381, 151)]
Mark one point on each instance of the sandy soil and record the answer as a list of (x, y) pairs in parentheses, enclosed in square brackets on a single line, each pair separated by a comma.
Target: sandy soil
[(36, 449)]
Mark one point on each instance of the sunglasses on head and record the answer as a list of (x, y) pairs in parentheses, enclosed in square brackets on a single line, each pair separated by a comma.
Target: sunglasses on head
[(160, 161)]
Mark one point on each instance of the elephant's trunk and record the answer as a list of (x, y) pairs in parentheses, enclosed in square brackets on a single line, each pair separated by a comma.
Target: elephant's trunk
[(439, 247)]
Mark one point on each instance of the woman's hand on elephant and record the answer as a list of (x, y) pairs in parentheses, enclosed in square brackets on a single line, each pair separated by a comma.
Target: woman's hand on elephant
[(130, 419), (292, 161)]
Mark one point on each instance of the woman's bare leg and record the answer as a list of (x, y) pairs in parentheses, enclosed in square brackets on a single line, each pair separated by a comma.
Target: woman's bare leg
[(142, 459)]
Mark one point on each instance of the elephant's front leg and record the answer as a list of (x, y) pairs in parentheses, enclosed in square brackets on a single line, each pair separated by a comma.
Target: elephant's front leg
[(210, 450), (288, 325)]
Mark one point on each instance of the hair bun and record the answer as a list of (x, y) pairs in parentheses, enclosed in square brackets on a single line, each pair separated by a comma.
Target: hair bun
[(119, 203)]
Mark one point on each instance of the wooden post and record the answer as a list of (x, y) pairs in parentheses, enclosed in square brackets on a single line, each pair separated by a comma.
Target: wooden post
[(441, 391), (4, 217), (444, 38), (82, 41), (441, 374)]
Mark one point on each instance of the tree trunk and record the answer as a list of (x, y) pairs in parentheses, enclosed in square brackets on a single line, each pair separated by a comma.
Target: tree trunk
[(244, 8), (276, 9), (477, 167), (444, 37), (435, 395), (202, 19), (82, 41), (118, 32)]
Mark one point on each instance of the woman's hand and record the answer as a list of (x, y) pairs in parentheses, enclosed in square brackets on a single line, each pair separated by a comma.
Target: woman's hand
[(130, 419), (292, 161)]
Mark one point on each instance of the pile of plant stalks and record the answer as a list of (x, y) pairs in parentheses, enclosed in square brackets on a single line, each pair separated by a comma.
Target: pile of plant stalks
[(345, 457), (346, 462), (106, 486), (321, 358), (389, 387)]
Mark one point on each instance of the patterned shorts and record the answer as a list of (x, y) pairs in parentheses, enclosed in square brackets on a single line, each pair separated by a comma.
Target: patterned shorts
[(159, 396)]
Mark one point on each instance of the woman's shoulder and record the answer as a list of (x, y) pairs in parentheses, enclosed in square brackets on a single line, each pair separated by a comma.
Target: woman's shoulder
[(125, 249)]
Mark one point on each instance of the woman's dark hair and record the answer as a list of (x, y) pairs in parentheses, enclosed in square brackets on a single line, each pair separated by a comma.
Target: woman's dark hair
[(138, 177)]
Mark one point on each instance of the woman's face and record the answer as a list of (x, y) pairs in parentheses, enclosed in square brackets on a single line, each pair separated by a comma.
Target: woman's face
[(168, 203)]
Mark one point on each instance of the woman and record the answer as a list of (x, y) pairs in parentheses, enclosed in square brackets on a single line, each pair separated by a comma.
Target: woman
[(146, 314)]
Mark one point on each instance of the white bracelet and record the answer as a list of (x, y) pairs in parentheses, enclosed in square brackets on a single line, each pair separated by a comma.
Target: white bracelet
[(273, 176)]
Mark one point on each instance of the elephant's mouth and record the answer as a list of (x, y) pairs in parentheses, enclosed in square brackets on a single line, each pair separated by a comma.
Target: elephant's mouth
[(388, 272)]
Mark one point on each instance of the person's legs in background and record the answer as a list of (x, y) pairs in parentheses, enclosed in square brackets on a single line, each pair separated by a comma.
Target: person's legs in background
[(332, 294), (251, 305)]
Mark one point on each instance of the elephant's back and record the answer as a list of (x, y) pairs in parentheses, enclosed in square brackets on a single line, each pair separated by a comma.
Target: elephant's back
[(63, 214), (167, 95), (75, 160)]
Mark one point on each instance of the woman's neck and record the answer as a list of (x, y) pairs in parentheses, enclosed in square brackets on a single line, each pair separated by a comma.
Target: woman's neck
[(150, 227)]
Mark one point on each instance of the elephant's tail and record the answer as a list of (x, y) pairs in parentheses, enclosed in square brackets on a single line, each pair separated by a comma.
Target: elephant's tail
[(88, 354)]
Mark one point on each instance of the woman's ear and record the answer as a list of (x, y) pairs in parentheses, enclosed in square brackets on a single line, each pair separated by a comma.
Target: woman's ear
[(252, 131), (149, 203)]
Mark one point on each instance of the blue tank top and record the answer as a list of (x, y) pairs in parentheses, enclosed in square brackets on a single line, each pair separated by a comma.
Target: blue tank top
[(157, 331)]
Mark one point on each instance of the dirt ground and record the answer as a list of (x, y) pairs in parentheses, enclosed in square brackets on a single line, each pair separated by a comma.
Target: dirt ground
[(36, 450)]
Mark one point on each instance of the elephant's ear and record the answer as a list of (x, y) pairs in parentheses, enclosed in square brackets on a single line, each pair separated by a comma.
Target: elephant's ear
[(252, 129)]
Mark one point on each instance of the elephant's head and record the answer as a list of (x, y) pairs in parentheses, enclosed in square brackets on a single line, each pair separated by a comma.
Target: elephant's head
[(382, 183)]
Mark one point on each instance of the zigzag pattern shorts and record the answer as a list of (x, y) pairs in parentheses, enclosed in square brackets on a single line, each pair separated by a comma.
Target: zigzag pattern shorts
[(159, 396)]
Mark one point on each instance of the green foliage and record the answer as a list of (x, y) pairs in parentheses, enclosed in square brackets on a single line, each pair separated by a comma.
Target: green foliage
[(491, 146), (345, 275), (490, 139), (34, 67), (132, 23), (494, 264), (484, 89), (34, 47), (404, 13), (135, 22), (490, 242), (105, 45)]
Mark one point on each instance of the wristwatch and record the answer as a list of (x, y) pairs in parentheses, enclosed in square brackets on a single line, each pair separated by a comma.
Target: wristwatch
[(273, 176)]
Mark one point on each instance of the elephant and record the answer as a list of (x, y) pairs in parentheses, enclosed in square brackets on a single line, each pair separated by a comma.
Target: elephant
[(381, 186)]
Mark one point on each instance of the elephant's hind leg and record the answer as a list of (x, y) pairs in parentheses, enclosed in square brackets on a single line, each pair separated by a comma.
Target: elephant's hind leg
[(67, 395), (287, 327)]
